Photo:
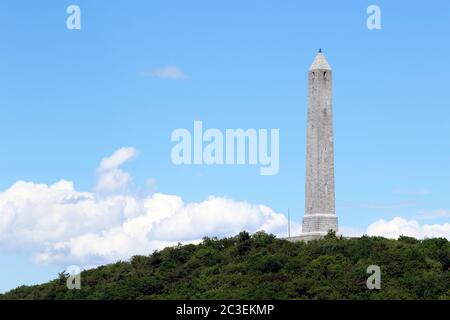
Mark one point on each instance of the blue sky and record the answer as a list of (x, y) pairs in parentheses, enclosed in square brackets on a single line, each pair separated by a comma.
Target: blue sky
[(69, 98)]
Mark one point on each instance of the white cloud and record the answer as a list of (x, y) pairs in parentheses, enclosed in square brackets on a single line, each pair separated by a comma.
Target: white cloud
[(118, 158), (399, 226), (169, 72), (59, 224), (111, 177), (165, 221)]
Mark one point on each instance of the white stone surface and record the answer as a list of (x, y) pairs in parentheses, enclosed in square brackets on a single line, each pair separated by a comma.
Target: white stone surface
[(320, 63), (320, 216)]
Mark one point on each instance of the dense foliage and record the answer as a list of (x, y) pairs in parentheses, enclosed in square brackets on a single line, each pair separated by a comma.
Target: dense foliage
[(261, 266)]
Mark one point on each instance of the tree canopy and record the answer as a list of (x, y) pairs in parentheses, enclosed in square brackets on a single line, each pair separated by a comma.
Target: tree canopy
[(261, 266)]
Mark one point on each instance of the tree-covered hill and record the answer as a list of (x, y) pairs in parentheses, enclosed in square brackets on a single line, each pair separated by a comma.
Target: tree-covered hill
[(261, 266)]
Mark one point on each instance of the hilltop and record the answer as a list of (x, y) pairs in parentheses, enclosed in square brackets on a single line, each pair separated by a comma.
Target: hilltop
[(260, 266)]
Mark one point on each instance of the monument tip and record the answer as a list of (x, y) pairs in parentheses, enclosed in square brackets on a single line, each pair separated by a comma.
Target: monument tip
[(320, 62)]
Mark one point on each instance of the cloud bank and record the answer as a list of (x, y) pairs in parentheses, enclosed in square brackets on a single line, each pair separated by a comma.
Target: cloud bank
[(399, 226), (59, 225)]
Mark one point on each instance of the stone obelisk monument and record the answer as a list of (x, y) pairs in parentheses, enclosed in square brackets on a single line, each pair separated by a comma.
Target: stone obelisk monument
[(320, 216)]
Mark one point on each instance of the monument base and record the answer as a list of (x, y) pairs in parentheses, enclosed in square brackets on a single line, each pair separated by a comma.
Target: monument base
[(310, 236), (307, 236), (319, 222)]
